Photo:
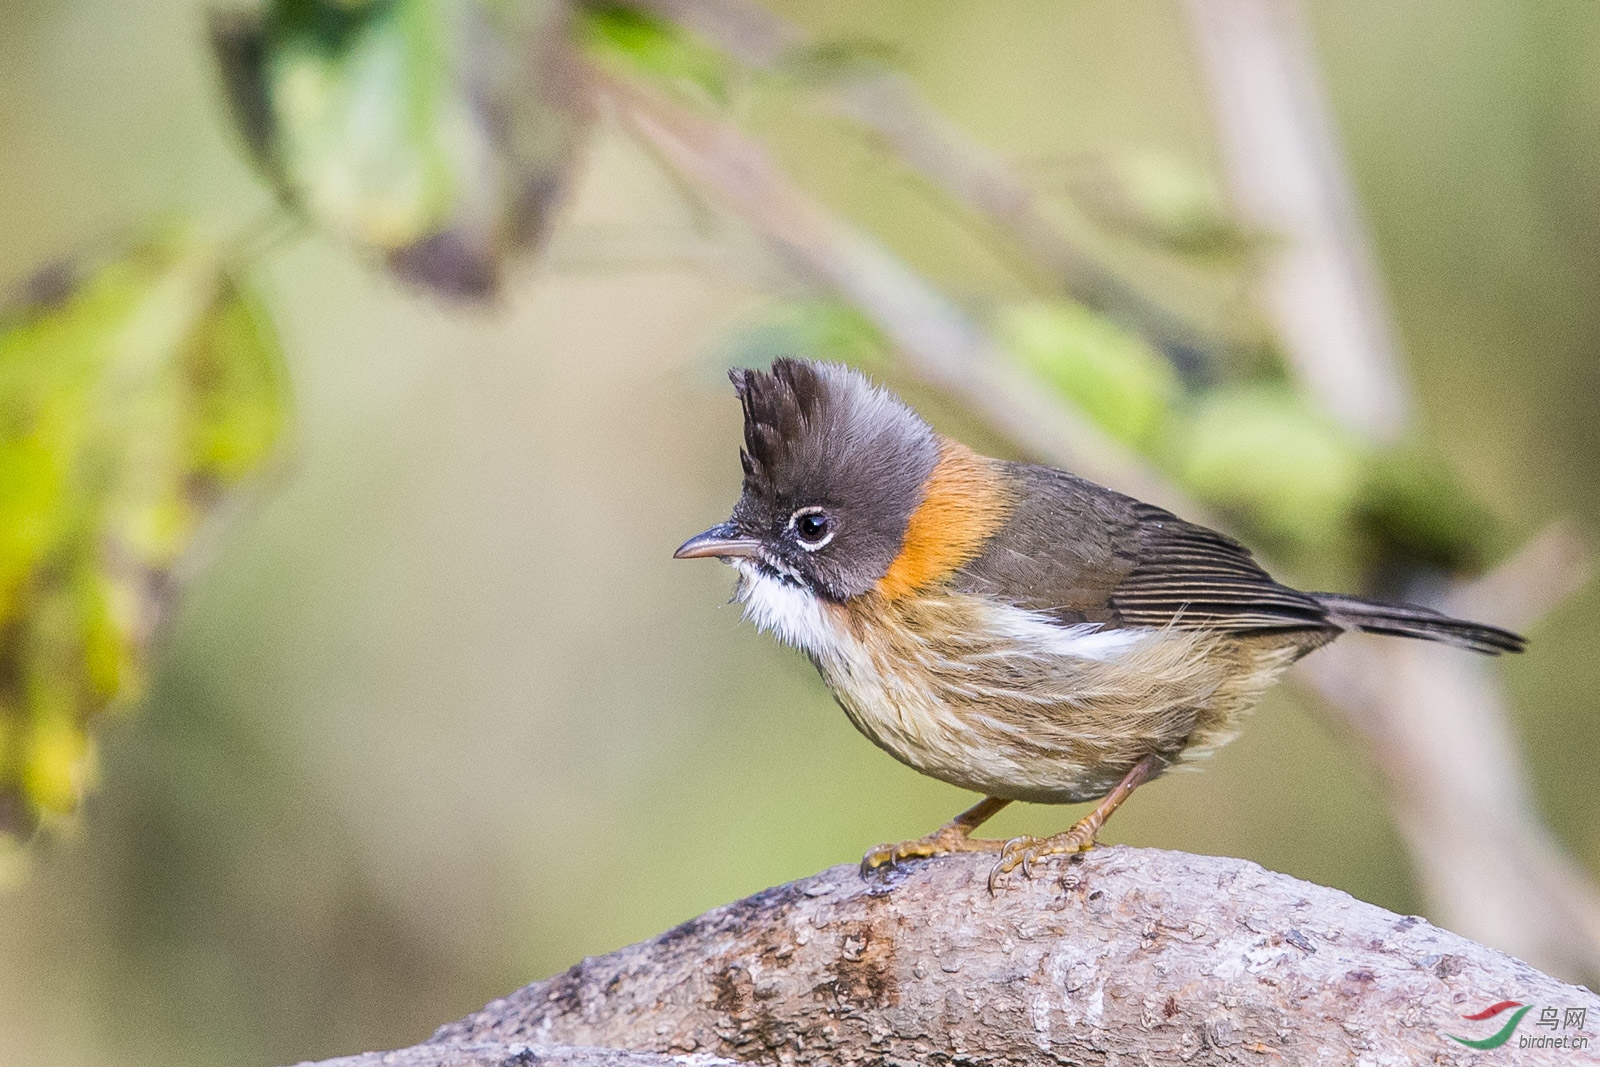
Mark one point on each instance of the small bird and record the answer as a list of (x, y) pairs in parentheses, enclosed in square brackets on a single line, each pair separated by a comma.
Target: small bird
[(1008, 628)]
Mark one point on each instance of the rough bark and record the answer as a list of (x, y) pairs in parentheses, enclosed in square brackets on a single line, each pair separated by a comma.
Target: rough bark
[(517, 1055), (1122, 956)]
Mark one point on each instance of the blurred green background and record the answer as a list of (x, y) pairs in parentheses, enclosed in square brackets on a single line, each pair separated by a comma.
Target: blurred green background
[(440, 716)]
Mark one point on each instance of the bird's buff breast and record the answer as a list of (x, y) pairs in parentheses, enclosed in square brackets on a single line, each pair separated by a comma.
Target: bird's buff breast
[(1006, 702)]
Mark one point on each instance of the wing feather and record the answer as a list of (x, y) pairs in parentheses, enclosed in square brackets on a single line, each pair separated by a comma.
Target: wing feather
[(1190, 576), (1081, 553)]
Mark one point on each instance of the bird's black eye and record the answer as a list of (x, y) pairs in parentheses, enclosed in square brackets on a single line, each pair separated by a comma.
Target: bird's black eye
[(813, 527)]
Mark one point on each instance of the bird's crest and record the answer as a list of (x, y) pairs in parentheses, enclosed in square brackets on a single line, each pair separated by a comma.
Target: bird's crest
[(810, 423), (780, 406)]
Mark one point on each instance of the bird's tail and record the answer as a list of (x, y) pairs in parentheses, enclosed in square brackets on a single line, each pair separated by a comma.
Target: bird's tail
[(1408, 620)]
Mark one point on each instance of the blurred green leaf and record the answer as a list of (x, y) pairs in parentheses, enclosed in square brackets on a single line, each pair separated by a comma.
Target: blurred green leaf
[(1417, 512), (439, 132), (126, 407), (810, 329), (649, 44), (1159, 201), (1113, 375), (1265, 453), (363, 120), (824, 63)]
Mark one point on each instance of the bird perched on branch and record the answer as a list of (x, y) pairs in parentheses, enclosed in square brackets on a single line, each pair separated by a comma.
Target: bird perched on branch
[(1008, 628)]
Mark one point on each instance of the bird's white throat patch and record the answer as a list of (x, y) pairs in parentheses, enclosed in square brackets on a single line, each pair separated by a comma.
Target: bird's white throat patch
[(797, 617), (792, 614)]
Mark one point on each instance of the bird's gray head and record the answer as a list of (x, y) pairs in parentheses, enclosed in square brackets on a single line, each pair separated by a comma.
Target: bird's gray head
[(833, 468)]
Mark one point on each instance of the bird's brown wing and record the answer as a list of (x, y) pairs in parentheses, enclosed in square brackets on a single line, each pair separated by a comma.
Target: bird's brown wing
[(1083, 553), (1191, 576)]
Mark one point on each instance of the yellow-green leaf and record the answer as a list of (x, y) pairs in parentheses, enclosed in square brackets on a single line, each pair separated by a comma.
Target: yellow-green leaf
[(816, 329), (240, 409), (126, 407), (1264, 452), (650, 44), (1159, 201), (1113, 375)]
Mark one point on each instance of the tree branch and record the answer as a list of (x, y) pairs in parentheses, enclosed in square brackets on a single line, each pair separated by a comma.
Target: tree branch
[(1321, 286), (887, 105), (495, 1054), (1157, 957), (937, 341)]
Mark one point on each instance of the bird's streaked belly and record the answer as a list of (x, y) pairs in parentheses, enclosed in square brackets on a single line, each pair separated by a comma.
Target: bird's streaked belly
[(1008, 703)]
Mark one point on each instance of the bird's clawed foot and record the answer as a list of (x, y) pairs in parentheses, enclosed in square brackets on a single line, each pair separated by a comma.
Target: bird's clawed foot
[(949, 838), (1025, 851), (953, 836)]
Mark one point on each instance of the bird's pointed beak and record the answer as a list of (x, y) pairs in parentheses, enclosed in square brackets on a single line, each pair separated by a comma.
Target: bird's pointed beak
[(722, 541)]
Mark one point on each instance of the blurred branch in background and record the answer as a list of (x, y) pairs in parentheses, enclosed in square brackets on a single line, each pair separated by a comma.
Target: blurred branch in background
[(950, 350), (1232, 432), (886, 103), (938, 342), (1282, 156), (1436, 730), (1436, 726)]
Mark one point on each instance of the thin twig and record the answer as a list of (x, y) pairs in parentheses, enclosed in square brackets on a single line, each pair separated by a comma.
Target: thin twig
[(937, 341), (969, 173)]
